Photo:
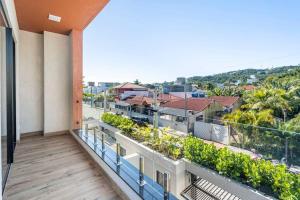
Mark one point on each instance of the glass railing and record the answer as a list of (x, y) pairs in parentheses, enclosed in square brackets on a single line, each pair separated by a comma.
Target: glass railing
[(129, 165)]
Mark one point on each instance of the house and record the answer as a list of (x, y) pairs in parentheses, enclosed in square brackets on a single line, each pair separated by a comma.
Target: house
[(190, 110), (164, 98), (248, 87), (120, 89), (229, 103), (141, 104)]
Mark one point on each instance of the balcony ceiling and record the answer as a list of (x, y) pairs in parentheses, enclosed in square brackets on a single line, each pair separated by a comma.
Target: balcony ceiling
[(75, 14)]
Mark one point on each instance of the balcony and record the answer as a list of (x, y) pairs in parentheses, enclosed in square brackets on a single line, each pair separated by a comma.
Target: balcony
[(56, 167)]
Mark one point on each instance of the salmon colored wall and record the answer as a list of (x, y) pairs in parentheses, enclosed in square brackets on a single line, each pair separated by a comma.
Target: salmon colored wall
[(76, 42)]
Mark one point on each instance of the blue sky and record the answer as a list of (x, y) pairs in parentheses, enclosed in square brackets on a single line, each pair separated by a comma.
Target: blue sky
[(158, 40)]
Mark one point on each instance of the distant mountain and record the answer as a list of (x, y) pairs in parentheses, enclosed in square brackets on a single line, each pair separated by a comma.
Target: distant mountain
[(242, 75)]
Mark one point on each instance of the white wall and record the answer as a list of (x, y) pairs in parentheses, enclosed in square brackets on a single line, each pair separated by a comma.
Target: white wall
[(31, 82), (57, 82), (212, 132)]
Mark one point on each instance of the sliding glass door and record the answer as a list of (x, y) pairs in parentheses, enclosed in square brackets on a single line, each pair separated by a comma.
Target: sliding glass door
[(8, 97)]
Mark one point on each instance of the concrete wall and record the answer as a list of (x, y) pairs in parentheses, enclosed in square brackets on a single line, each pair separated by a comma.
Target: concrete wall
[(57, 82), (212, 132), (31, 82)]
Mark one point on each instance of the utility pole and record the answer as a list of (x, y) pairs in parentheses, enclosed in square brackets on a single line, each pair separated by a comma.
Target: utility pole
[(105, 101), (155, 117), (186, 108), (91, 96)]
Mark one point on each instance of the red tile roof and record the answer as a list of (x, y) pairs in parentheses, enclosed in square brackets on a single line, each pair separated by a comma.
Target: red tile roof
[(195, 104), (249, 87), (129, 86), (168, 97), (140, 100), (225, 100)]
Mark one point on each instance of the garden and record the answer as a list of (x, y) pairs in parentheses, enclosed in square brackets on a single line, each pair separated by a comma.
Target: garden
[(259, 174)]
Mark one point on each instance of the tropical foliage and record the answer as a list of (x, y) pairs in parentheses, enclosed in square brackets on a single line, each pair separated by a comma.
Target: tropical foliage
[(242, 75), (269, 116)]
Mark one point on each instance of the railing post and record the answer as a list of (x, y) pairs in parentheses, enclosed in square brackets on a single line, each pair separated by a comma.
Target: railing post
[(95, 139), (95, 136), (118, 157), (86, 130), (141, 175), (103, 144), (166, 186)]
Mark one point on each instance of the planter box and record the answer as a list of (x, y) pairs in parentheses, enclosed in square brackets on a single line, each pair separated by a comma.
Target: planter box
[(238, 189), (153, 160)]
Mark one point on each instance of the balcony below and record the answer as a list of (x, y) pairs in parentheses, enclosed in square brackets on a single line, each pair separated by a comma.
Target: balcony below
[(56, 167)]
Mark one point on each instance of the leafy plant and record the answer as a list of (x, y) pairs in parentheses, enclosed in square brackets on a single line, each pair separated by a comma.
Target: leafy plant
[(259, 174)]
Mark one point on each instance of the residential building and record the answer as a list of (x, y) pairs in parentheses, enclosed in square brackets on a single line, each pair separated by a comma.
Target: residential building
[(141, 104), (164, 98), (176, 88), (121, 89), (248, 87), (180, 81), (252, 79), (229, 103), (106, 85), (190, 110)]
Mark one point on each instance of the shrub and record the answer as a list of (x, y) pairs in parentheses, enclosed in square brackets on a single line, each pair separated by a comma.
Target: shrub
[(259, 174), (165, 143)]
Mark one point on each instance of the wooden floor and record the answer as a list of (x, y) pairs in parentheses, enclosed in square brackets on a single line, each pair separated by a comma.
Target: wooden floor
[(55, 168)]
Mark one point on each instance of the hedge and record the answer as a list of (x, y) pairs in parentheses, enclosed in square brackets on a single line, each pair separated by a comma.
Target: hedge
[(260, 174), (157, 139)]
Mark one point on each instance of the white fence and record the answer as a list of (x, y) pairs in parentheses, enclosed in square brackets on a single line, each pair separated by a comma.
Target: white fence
[(179, 126), (212, 132)]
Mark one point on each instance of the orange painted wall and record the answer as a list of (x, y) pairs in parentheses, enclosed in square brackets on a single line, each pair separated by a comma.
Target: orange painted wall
[(77, 64)]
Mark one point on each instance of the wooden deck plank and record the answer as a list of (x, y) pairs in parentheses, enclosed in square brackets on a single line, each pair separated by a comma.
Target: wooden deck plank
[(55, 168)]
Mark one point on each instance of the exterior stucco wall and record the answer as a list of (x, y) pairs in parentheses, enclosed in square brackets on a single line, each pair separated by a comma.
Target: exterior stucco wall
[(31, 82), (57, 82)]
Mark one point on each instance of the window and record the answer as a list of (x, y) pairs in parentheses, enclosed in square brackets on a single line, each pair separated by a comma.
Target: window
[(180, 119), (199, 118), (160, 178)]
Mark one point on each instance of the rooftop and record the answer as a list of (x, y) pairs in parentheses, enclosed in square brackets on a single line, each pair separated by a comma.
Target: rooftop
[(140, 100), (195, 104), (129, 86), (225, 101)]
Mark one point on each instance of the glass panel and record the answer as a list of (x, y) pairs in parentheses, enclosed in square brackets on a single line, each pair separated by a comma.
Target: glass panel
[(3, 98), (123, 155)]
